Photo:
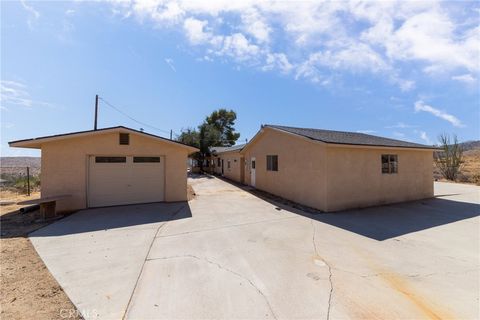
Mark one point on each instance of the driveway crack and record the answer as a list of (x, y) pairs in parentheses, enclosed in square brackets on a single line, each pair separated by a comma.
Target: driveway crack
[(146, 258), (218, 265), (328, 266)]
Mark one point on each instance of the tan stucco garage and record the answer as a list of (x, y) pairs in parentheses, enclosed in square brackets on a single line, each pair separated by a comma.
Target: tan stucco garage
[(333, 170), (111, 166)]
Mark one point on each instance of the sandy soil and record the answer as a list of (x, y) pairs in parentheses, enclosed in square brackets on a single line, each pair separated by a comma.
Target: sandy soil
[(190, 193), (27, 289)]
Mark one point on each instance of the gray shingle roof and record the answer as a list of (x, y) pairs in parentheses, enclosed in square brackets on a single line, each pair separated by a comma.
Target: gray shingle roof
[(350, 138), (237, 147)]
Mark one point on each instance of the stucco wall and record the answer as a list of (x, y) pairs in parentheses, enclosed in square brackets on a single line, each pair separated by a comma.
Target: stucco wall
[(355, 177), (237, 167), (301, 164), (65, 162), (332, 177)]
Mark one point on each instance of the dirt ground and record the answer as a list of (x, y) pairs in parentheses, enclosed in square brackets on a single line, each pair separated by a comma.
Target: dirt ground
[(190, 193), (470, 171), (27, 289)]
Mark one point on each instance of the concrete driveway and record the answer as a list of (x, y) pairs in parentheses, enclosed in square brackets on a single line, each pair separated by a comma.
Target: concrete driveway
[(230, 254)]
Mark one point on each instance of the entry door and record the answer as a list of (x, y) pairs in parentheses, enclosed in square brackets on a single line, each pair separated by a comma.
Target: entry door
[(120, 180), (222, 167), (252, 172)]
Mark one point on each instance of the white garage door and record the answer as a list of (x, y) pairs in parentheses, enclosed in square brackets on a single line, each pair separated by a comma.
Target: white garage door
[(118, 180)]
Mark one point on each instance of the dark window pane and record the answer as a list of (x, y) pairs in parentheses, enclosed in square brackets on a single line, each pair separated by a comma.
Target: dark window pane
[(146, 159), (253, 164), (110, 159), (272, 163), (124, 138), (275, 163), (389, 163)]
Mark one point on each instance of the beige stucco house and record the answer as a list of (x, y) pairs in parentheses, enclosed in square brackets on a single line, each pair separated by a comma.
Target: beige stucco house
[(228, 162), (111, 166), (332, 170)]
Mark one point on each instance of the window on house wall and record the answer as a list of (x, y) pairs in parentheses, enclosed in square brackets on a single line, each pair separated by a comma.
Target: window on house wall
[(124, 138), (219, 162), (228, 164), (272, 163), (389, 163)]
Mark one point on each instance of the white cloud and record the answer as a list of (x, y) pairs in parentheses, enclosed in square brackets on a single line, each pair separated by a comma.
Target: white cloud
[(421, 106), (424, 137), (169, 62), (33, 14), (239, 47), (278, 61), (194, 31), (465, 78), (317, 40), (255, 25), (13, 93), (400, 125)]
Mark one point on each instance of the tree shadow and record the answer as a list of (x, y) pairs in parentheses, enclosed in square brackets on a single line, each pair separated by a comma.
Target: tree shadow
[(107, 218)]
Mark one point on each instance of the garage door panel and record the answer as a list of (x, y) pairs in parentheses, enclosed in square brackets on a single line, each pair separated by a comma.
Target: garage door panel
[(130, 182)]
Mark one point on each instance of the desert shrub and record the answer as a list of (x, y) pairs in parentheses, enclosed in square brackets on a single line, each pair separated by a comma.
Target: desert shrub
[(476, 179), (449, 161), (21, 183)]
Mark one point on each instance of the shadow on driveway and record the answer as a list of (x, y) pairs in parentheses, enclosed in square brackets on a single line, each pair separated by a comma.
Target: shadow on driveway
[(390, 221), (381, 222), (106, 218)]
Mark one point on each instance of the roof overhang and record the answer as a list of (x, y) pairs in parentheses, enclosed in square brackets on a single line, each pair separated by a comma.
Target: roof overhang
[(36, 143)]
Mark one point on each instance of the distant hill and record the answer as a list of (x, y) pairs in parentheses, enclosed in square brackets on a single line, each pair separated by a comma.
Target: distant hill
[(470, 145), (33, 162), (17, 165)]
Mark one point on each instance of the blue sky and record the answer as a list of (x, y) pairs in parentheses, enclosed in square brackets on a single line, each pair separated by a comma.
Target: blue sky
[(406, 70)]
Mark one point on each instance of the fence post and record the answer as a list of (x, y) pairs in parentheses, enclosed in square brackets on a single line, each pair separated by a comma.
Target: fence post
[(28, 181)]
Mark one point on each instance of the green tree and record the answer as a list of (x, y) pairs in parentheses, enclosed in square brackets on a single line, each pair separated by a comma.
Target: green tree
[(450, 160), (223, 121), (217, 130), (189, 137)]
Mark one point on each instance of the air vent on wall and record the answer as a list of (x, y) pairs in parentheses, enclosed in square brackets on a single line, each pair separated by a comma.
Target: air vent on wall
[(124, 138)]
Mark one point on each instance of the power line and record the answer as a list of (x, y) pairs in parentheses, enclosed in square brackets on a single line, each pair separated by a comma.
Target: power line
[(132, 118), (170, 132)]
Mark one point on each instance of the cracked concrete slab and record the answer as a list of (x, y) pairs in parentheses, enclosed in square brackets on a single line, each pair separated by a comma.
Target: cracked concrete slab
[(233, 255)]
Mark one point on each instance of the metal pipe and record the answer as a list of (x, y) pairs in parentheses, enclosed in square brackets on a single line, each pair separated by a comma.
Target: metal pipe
[(30, 208)]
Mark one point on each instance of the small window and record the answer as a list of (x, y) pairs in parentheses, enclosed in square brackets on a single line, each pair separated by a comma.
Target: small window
[(124, 138), (253, 164), (146, 159), (110, 159), (389, 163), (219, 162), (228, 164), (272, 163)]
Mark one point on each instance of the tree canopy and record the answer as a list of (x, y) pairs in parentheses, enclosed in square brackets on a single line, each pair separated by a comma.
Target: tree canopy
[(217, 130)]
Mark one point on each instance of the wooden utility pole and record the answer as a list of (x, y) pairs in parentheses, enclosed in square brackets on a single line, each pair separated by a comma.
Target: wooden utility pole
[(96, 112), (28, 181)]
